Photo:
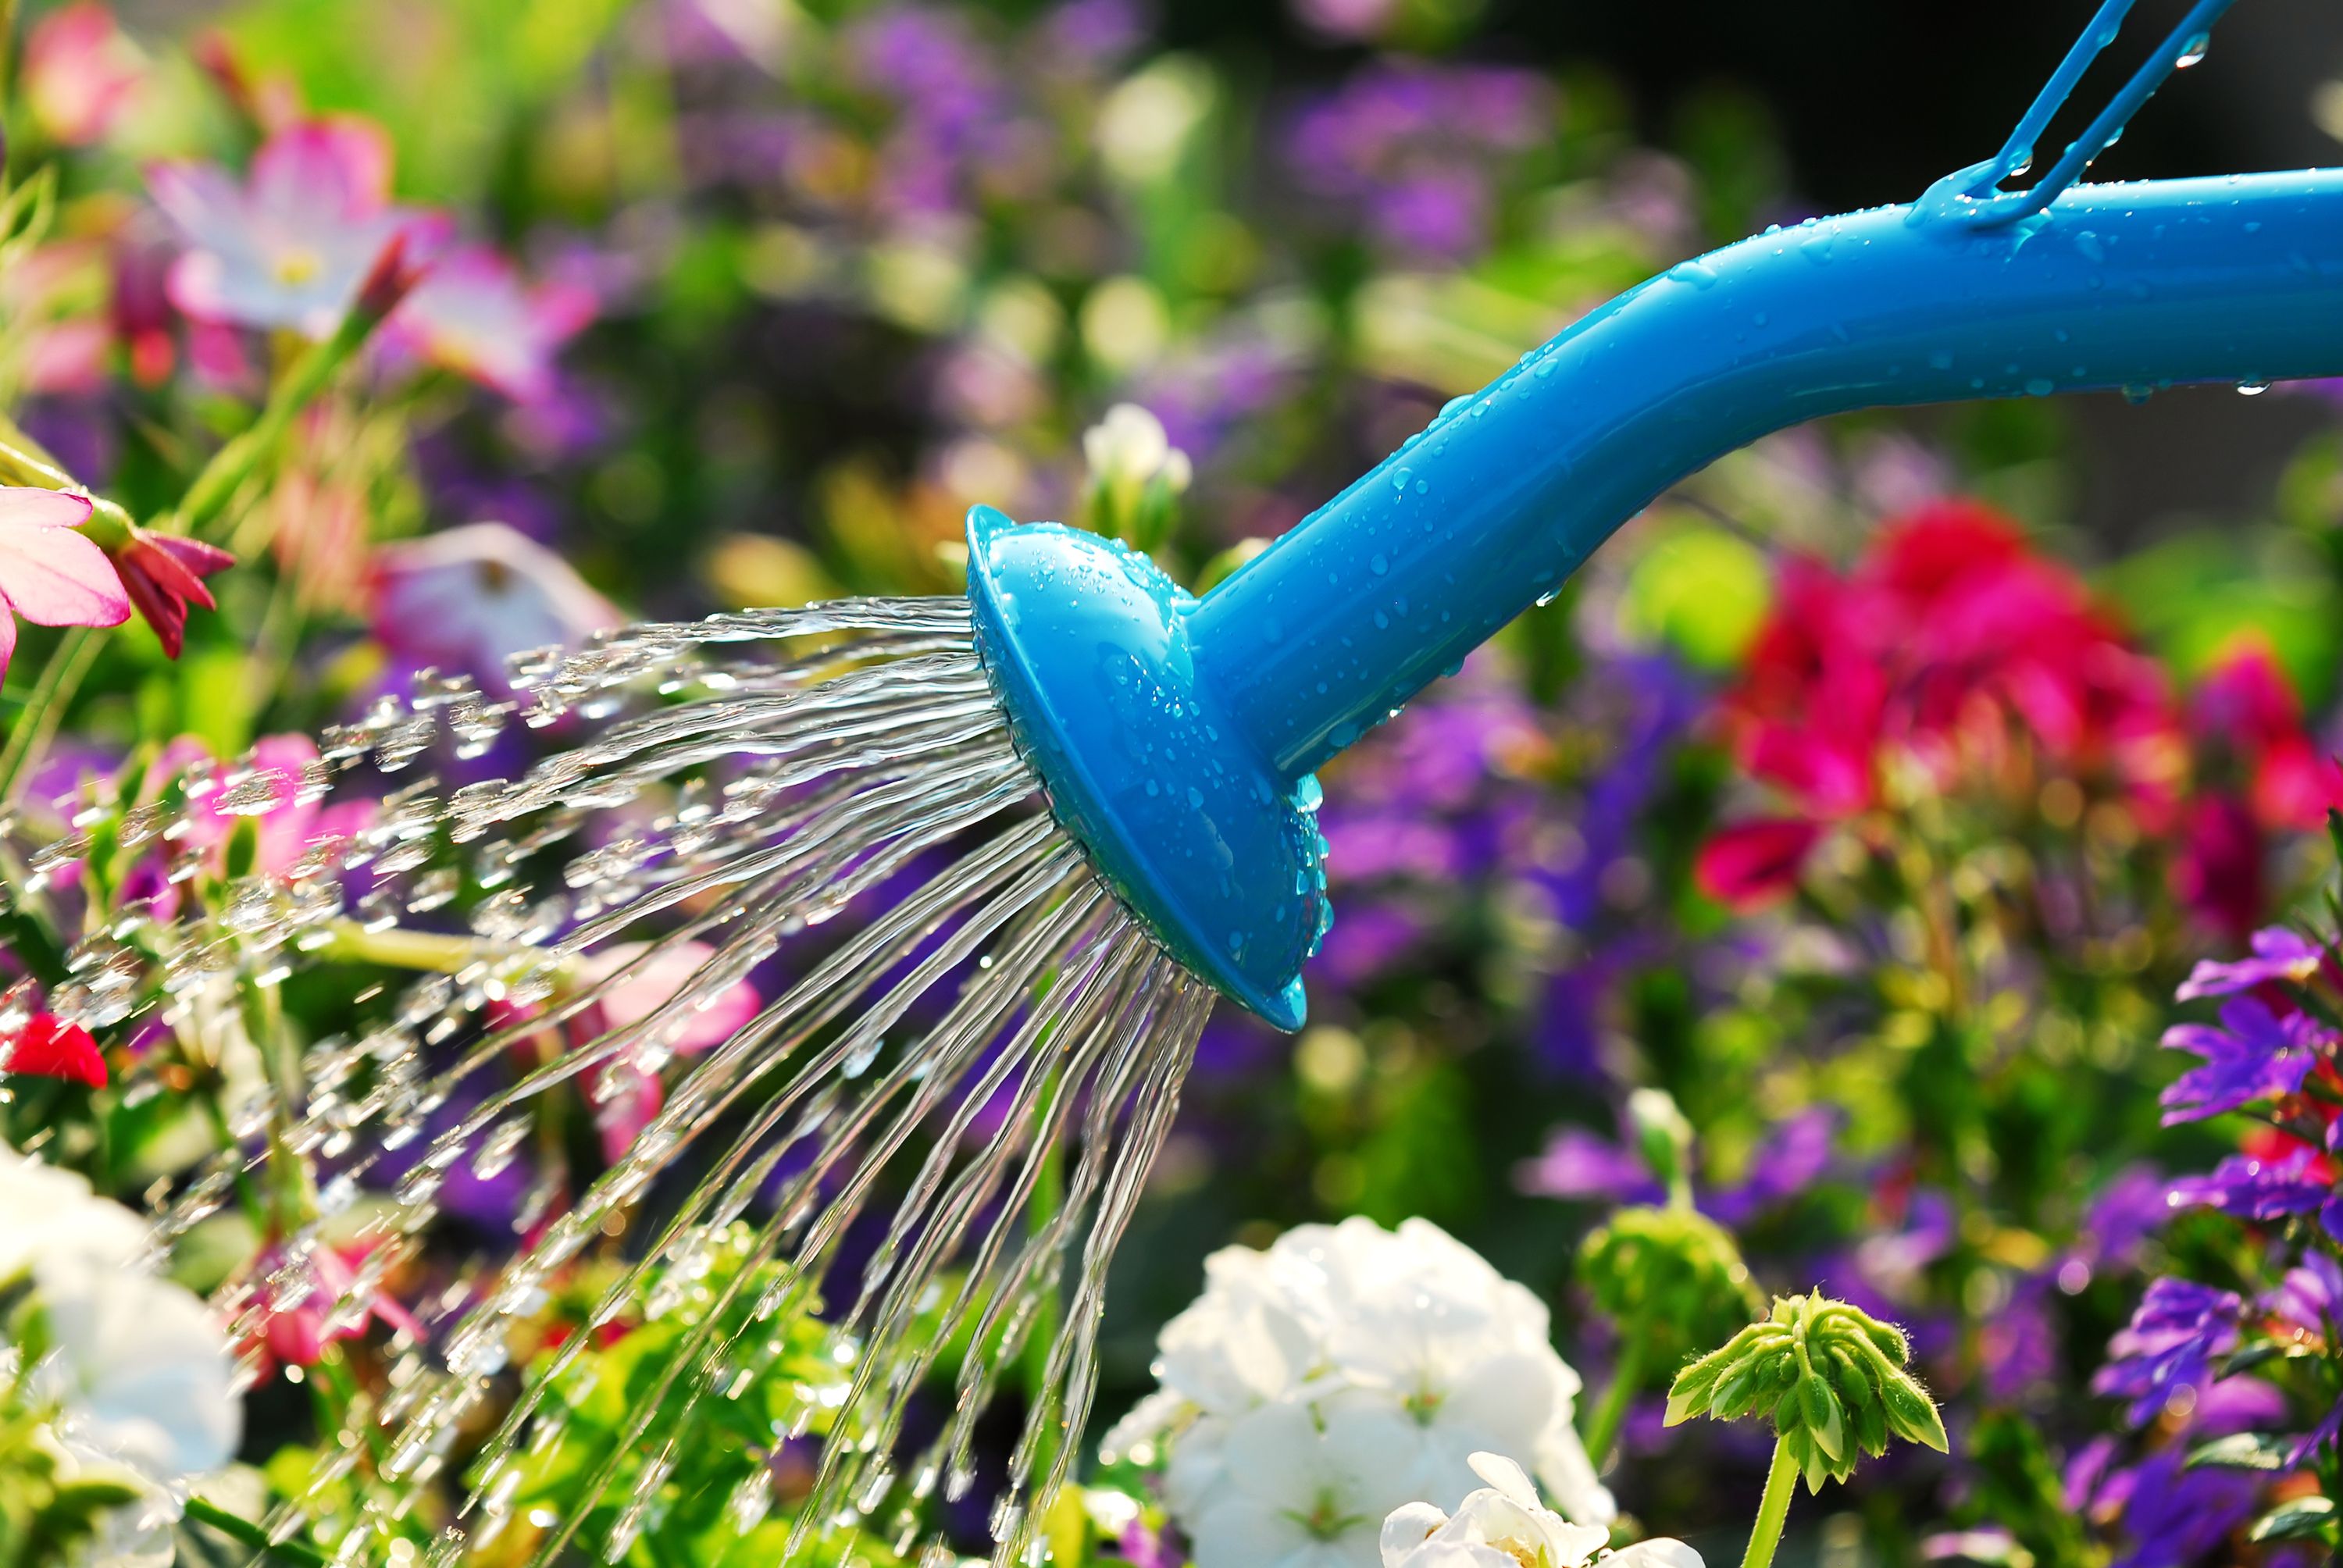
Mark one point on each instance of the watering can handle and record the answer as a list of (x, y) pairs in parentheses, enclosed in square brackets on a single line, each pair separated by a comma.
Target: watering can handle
[(2083, 287), (1974, 192)]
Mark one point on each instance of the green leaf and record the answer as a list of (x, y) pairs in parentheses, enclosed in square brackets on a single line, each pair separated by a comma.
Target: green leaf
[(2300, 1519), (2242, 1450)]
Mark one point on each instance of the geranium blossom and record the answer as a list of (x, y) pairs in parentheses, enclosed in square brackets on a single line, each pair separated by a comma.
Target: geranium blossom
[(50, 1047), (1506, 1525), (1947, 642), (290, 245), (49, 574), (1404, 1353)]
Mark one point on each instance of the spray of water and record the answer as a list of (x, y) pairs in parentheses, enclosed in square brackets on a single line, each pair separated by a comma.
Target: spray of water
[(989, 1042)]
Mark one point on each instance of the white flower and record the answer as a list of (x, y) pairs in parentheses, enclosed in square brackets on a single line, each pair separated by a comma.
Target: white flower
[(52, 1214), (1504, 1525), (138, 1382), (1297, 1497), (141, 1368), (1406, 1346), (1130, 446)]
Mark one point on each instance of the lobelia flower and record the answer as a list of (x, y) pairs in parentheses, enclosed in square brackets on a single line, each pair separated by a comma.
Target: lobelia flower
[(50, 574), (1505, 1525), (2252, 1054), (162, 573), (291, 245), (474, 314), (79, 72), (469, 598), (49, 1047), (2278, 955), (2248, 1187), (1375, 1364), (2169, 1345)]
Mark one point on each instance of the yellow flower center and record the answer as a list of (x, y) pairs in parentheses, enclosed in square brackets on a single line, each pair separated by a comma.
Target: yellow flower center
[(299, 265)]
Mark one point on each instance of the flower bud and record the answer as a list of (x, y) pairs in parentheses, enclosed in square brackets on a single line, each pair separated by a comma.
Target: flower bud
[(1834, 1382), (1671, 1276)]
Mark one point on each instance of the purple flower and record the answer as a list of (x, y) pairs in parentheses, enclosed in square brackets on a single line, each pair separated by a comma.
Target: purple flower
[(2250, 1189), (2129, 1209), (2252, 1054), (2019, 1344), (1792, 1156), (2278, 955), (1411, 143), (2173, 1516), (2169, 1346), (1582, 1164), (2310, 1297)]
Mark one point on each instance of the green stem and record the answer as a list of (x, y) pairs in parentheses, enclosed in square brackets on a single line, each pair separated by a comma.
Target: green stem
[(1602, 1423), (1773, 1510), (45, 709), (1049, 1197), (238, 1528), (236, 462)]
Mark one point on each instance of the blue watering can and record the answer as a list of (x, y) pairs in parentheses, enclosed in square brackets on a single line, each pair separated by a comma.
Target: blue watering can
[(1176, 735)]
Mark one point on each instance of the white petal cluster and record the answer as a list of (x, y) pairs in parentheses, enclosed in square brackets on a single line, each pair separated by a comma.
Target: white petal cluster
[(1130, 446), (139, 1373), (1504, 1525), (1317, 1386)]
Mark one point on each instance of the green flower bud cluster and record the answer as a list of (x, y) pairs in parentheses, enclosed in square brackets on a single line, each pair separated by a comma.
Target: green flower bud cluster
[(1831, 1377), (1670, 1277)]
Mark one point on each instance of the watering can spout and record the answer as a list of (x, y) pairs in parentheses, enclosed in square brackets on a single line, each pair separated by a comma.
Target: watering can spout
[(2134, 287), (1177, 735)]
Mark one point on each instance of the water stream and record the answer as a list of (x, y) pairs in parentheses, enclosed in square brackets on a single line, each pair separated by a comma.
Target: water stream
[(970, 1037)]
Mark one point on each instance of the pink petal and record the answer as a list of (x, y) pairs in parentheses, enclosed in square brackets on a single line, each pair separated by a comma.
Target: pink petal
[(1745, 865), (55, 576), (326, 169), (8, 637), (203, 199), (26, 507)]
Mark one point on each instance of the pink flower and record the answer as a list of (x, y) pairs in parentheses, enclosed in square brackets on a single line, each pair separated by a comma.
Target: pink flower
[(49, 574), (292, 821), (1747, 865), (626, 1096), (49, 1047), (79, 71), (161, 573), (296, 1333), (470, 598), (291, 245), (474, 315)]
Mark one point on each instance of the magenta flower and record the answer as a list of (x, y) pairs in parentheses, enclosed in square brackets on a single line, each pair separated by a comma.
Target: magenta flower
[(474, 314), (163, 574), (290, 245), (625, 1093), (287, 812), (50, 574), (470, 598), (79, 71), (335, 1306)]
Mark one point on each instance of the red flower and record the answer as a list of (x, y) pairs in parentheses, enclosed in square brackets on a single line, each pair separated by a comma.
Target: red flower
[(49, 1047), (1745, 865), (162, 572), (2248, 707), (1948, 646)]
